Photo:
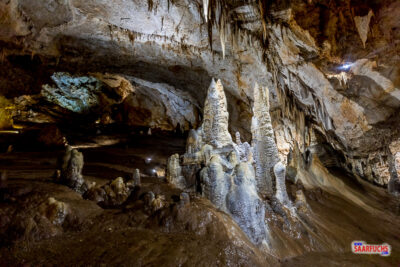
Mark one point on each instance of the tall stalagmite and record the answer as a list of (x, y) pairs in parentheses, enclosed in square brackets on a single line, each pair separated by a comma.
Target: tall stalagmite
[(226, 170), (263, 143), (216, 117)]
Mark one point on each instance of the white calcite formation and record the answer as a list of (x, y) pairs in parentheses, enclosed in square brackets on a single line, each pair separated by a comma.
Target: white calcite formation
[(226, 176), (281, 193), (244, 150), (216, 116), (174, 172), (244, 204), (362, 25), (394, 182), (264, 146)]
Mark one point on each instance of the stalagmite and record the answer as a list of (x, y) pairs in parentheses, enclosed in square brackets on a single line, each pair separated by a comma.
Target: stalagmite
[(71, 170), (244, 149), (263, 143), (226, 170), (216, 117), (112, 194), (246, 207), (281, 194), (174, 172), (215, 183), (136, 177)]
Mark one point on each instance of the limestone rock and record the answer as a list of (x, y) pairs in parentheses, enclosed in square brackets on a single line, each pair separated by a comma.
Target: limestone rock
[(215, 183), (246, 207), (174, 172), (244, 149), (159, 202), (281, 193), (136, 177), (394, 182), (216, 117), (112, 194), (184, 199), (362, 25), (71, 170), (159, 105), (77, 94), (226, 175), (56, 211), (263, 143)]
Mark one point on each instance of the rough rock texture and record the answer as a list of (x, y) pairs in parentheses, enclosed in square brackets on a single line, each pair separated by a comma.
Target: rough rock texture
[(244, 150), (281, 193), (263, 143), (112, 194), (55, 211), (77, 94), (174, 172), (333, 62), (71, 170), (160, 105), (226, 173), (216, 117), (244, 203), (136, 177)]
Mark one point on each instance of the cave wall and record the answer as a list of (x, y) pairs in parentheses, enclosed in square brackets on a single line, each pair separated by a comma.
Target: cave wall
[(333, 78)]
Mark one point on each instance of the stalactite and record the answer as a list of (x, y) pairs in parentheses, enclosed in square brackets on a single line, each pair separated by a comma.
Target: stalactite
[(205, 9), (150, 4)]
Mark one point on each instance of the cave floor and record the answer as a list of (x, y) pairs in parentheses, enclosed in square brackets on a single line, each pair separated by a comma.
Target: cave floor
[(194, 235)]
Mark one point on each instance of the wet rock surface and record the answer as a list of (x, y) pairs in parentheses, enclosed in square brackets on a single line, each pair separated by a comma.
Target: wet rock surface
[(40, 218), (155, 219), (333, 65)]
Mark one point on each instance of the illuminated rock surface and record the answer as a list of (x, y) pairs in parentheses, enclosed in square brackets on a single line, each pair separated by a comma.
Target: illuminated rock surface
[(322, 169)]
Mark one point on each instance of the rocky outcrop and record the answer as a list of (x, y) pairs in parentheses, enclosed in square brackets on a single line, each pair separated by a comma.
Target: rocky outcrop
[(77, 94)]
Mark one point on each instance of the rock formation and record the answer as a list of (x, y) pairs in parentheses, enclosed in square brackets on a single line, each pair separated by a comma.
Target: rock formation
[(226, 173), (270, 172), (263, 143), (55, 211), (174, 172), (71, 170), (136, 177), (111, 194), (216, 117)]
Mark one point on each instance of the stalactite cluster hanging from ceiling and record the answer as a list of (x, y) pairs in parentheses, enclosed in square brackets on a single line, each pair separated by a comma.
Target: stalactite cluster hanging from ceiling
[(218, 13)]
